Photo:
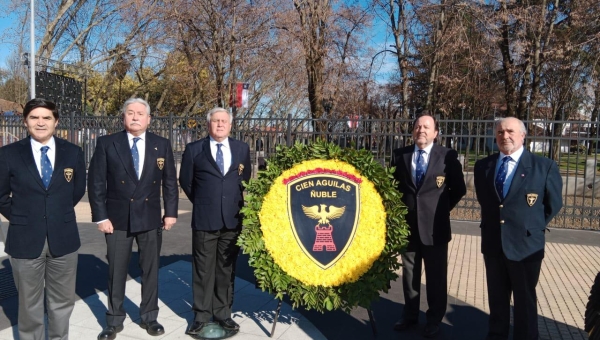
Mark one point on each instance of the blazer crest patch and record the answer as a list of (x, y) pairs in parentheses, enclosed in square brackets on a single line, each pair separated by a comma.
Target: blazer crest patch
[(161, 163), (439, 181), (531, 199), (240, 169), (68, 174)]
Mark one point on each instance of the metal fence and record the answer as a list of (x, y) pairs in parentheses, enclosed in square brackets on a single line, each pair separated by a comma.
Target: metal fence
[(573, 143)]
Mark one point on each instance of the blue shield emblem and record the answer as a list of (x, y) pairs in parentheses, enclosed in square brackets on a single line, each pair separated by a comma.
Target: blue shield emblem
[(323, 210)]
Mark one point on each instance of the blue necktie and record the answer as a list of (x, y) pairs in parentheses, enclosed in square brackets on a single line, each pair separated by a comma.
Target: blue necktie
[(501, 177), (136, 156), (46, 166), (219, 159), (420, 168)]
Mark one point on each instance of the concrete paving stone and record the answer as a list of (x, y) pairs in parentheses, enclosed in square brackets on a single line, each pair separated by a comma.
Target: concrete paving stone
[(99, 299), (89, 316), (260, 323), (251, 303), (304, 331), (176, 307)]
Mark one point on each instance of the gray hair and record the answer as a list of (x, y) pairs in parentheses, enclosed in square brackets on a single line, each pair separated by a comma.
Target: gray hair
[(501, 120), (133, 101), (219, 109)]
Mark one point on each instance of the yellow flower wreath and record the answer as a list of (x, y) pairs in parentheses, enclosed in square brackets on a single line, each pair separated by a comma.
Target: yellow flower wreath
[(364, 249)]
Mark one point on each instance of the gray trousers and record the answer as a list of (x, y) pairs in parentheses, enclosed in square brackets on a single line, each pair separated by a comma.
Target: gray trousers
[(54, 276)]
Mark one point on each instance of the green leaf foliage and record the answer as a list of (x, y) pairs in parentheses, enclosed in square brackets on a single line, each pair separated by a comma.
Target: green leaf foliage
[(271, 278)]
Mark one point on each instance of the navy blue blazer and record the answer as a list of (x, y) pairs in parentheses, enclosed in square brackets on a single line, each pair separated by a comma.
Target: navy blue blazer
[(117, 194), (34, 212), (429, 206), (516, 224), (217, 198)]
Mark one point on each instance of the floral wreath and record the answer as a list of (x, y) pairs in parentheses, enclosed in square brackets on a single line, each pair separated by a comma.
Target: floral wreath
[(369, 263)]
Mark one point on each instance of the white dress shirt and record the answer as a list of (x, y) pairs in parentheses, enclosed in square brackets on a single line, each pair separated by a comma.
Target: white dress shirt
[(415, 157), (225, 149), (37, 153), (141, 146), (510, 171)]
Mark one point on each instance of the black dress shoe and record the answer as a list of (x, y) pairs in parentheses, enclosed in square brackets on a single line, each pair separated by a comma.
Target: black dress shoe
[(195, 328), (229, 324), (110, 332), (153, 328), (403, 325), (431, 331)]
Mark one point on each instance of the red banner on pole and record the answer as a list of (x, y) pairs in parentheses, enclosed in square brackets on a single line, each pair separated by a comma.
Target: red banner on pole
[(238, 96)]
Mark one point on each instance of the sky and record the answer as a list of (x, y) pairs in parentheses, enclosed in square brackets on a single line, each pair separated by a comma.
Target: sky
[(381, 66), (6, 48)]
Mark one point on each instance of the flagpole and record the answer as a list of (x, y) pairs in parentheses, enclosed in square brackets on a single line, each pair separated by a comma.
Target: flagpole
[(32, 51)]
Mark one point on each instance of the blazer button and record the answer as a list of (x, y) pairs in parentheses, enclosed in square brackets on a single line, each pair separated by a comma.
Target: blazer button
[(501, 221), (153, 182), (501, 205), (146, 200), (132, 200), (122, 182)]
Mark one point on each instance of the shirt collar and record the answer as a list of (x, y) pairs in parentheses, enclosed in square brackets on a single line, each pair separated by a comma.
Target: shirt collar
[(142, 136), (225, 142), (427, 148), (515, 155), (37, 145)]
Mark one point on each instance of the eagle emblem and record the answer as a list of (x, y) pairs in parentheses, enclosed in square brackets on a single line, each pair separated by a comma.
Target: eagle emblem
[(324, 211), (161, 163), (323, 216)]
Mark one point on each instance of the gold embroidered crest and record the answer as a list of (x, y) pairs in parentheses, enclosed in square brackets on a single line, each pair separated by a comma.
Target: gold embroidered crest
[(531, 198), (68, 174), (160, 162), (439, 180), (240, 169)]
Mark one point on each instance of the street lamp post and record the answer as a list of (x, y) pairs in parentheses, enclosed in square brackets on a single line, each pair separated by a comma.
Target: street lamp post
[(32, 47)]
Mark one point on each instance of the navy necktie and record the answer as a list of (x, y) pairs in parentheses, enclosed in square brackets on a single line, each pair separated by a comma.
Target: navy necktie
[(420, 168), (136, 156), (219, 159), (46, 166), (501, 177)]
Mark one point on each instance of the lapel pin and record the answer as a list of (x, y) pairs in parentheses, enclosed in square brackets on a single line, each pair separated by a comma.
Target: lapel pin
[(522, 175), (155, 148)]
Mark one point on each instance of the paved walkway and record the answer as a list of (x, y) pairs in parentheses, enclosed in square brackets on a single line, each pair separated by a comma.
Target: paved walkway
[(569, 268), (253, 310), (568, 272)]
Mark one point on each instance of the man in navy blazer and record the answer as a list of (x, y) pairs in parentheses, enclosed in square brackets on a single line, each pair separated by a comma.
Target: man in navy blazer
[(126, 175), (211, 175), (431, 181), (519, 194), (42, 178)]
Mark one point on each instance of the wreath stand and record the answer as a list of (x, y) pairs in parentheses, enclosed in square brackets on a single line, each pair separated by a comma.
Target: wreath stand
[(278, 311)]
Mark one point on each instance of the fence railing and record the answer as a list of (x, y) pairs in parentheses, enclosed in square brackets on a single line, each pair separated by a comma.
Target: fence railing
[(573, 144)]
